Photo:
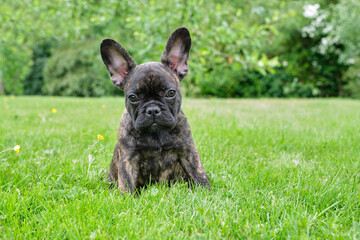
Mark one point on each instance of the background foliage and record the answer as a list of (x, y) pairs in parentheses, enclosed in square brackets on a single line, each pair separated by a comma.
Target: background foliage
[(240, 48)]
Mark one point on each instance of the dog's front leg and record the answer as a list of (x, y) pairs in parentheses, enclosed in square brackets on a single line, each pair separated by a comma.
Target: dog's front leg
[(191, 163), (127, 170), (127, 175)]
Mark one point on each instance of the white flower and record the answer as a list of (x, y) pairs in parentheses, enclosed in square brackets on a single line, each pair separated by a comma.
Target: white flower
[(258, 10), (350, 61), (325, 41), (296, 162), (327, 29), (311, 11)]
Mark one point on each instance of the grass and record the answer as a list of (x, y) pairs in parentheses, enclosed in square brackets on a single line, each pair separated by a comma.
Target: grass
[(279, 169)]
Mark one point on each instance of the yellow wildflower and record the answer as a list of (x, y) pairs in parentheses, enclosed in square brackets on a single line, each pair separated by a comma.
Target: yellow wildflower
[(53, 110), (17, 148), (100, 137), (103, 106)]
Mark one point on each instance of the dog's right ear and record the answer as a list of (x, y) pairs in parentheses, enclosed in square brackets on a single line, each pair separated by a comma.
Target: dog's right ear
[(117, 61), (176, 52)]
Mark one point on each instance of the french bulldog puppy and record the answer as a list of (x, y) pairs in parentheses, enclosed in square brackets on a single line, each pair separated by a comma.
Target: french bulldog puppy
[(154, 138)]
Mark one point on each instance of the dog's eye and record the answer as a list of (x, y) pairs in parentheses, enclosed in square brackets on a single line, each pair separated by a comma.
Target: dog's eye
[(133, 98), (171, 93)]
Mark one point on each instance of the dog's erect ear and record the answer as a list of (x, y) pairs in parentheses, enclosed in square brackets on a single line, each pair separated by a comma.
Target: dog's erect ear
[(176, 53), (117, 61)]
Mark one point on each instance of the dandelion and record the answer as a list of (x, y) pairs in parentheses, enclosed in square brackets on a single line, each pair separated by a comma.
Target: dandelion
[(16, 149), (103, 106), (53, 110), (99, 138)]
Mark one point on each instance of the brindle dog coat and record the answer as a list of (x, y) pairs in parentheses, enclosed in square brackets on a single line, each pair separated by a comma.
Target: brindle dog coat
[(154, 138)]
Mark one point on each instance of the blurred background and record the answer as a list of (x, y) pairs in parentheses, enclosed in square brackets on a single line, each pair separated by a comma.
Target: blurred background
[(240, 48)]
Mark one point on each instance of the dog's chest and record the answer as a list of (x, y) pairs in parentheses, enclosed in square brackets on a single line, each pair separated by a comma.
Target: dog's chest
[(156, 160), (157, 165), (157, 157)]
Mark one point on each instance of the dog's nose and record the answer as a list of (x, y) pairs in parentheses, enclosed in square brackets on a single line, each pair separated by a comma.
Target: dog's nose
[(153, 111)]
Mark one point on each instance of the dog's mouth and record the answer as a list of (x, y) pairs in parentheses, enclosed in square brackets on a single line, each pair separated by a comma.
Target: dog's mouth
[(154, 125)]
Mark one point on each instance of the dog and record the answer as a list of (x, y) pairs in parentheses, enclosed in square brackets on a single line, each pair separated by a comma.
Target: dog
[(155, 143)]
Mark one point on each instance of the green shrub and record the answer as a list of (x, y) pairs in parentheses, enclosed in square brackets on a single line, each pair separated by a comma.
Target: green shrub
[(77, 70), (228, 82), (34, 81), (14, 67), (352, 89), (239, 49), (282, 84)]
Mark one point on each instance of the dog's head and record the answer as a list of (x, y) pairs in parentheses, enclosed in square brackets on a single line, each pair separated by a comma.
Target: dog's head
[(152, 90)]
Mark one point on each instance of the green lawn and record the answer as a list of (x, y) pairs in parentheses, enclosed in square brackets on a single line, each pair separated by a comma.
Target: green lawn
[(278, 169)]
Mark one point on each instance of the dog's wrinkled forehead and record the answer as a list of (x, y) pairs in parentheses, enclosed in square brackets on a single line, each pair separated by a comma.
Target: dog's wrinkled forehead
[(151, 77)]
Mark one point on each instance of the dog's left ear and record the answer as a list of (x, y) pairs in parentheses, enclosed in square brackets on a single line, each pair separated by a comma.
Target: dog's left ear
[(176, 53)]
